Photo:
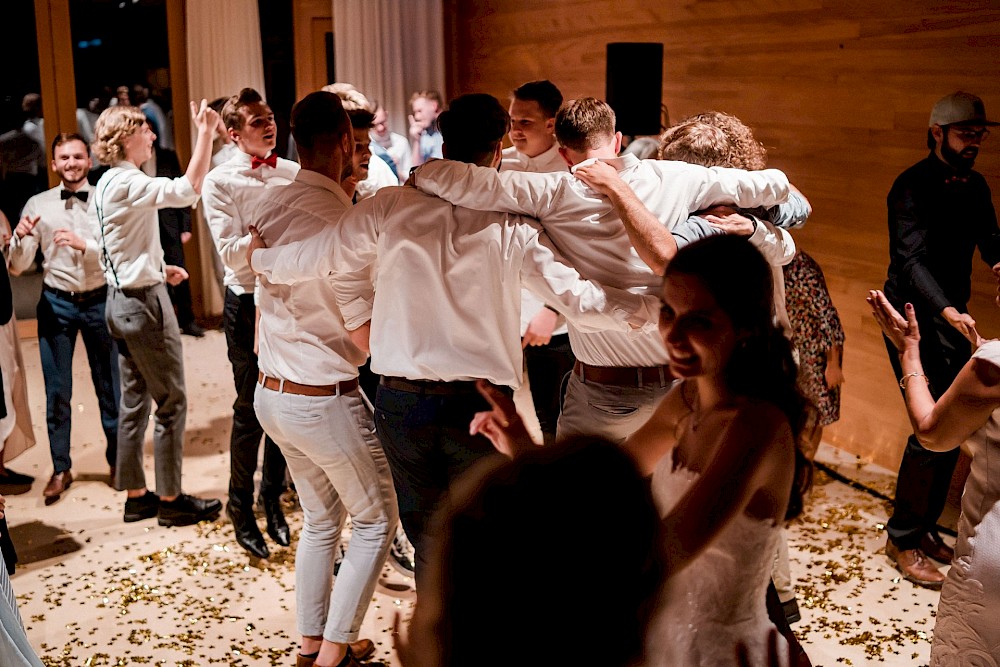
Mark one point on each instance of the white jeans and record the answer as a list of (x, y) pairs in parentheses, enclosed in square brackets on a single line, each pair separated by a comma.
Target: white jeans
[(338, 468)]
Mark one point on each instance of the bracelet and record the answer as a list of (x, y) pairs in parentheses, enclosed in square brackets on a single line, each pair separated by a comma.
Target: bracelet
[(902, 380)]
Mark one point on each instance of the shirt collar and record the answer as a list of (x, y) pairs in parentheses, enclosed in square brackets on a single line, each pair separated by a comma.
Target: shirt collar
[(621, 163), (317, 180), (86, 187), (551, 153)]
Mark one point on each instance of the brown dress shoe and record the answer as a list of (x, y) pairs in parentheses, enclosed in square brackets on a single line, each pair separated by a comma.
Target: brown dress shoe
[(932, 545), (915, 567), (362, 649), (58, 483)]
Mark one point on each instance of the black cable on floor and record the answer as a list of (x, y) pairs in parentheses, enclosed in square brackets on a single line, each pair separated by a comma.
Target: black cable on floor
[(854, 484)]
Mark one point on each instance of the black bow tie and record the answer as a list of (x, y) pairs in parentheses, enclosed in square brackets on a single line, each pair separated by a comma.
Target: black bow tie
[(81, 195)]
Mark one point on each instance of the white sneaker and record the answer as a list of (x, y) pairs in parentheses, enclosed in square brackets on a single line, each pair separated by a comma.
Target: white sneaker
[(401, 553)]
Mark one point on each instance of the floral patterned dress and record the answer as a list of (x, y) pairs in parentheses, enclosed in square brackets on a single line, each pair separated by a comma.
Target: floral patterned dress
[(816, 329)]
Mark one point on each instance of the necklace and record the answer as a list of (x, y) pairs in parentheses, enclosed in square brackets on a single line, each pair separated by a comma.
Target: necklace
[(691, 402)]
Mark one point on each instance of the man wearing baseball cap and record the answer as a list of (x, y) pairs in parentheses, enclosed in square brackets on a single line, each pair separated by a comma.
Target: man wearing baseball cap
[(940, 210)]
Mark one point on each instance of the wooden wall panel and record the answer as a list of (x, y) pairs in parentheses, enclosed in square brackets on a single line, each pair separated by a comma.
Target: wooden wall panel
[(838, 90)]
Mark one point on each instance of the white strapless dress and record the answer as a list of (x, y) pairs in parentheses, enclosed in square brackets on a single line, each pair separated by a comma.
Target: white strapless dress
[(719, 599), (967, 632)]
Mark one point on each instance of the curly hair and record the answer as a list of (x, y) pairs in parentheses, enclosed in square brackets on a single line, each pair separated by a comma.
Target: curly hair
[(713, 139), (113, 126)]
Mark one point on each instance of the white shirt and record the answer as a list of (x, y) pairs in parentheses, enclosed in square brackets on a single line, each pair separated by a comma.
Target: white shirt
[(63, 268), (230, 195), (399, 150), (125, 222), (449, 285), (301, 332), (543, 163), (379, 176), (588, 232)]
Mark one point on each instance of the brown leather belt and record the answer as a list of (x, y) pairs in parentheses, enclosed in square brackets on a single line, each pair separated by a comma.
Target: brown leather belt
[(289, 387), (624, 376)]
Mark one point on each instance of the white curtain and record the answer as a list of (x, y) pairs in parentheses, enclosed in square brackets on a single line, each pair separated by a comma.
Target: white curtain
[(223, 48), (390, 49), (223, 55)]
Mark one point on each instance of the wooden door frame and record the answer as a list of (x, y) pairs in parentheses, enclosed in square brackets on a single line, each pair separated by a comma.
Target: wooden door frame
[(58, 90)]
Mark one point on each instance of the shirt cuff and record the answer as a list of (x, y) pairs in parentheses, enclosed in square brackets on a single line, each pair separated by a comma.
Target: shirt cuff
[(356, 313)]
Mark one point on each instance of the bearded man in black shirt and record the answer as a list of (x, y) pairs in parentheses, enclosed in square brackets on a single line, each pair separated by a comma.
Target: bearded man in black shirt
[(940, 210)]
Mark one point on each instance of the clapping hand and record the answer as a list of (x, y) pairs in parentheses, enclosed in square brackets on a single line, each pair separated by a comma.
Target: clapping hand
[(26, 225), (903, 332)]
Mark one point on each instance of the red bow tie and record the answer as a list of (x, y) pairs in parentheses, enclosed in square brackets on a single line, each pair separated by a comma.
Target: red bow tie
[(271, 161)]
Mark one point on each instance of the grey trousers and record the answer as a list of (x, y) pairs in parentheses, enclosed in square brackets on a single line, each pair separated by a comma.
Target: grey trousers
[(339, 468), (606, 411), (151, 362)]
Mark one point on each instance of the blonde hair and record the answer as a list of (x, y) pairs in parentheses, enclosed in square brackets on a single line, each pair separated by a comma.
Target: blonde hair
[(113, 126)]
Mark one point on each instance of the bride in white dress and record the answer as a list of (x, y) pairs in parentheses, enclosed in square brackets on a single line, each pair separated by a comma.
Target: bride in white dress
[(721, 448), (967, 631)]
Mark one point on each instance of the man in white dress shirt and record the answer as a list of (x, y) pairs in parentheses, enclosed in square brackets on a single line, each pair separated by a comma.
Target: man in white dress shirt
[(548, 355), (390, 146), (231, 193), (138, 309), (73, 295), (307, 399), (618, 378), (446, 312)]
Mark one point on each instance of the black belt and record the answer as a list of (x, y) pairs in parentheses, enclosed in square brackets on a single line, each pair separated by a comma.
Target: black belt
[(79, 297), (137, 292), (624, 376), (436, 387)]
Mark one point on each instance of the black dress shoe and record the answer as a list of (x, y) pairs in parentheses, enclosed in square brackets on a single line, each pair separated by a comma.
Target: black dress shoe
[(185, 510), (277, 527), (8, 476), (247, 533), (193, 329)]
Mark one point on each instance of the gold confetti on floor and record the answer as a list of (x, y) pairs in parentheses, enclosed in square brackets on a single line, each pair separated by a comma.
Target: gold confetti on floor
[(95, 591)]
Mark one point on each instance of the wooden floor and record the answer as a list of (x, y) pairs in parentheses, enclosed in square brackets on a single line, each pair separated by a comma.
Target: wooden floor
[(96, 591)]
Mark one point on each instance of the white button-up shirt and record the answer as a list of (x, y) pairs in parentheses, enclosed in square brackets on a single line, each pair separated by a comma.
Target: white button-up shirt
[(125, 222), (586, 228), (230, 194), (301, 332), (64, 268), (543, 163), (449, 285)]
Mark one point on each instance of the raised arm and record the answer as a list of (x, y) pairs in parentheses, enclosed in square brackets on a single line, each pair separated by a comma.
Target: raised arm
[(205, 119), (484, 189), (654, 244), (963, 408), (743, 189)]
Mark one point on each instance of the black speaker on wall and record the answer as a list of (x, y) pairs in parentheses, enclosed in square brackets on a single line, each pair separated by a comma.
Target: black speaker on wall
[(634, 86)]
